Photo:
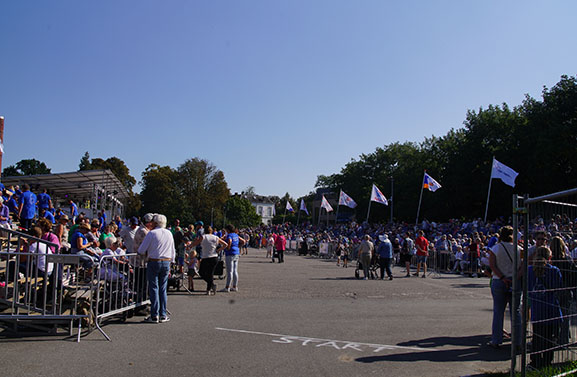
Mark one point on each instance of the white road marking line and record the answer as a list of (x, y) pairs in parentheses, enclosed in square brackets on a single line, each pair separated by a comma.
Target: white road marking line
[(286, 339)]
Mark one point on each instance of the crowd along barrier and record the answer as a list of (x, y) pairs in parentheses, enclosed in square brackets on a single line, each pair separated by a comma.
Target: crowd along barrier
[(121, 288), (549, 301), (42, 290), (45, 291)]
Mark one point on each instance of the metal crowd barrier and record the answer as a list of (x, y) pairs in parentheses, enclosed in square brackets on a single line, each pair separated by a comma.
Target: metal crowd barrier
[(120, 289), (40, 290)]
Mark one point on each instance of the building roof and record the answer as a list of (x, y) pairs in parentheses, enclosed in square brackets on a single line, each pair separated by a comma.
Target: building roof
[(75, 185), (261, 199)]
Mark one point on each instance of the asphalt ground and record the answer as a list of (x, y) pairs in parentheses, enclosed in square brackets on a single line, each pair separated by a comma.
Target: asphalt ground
[(305, 317)]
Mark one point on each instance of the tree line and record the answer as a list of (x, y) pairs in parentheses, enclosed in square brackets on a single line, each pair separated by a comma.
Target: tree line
[(195, 190), (537, 139)]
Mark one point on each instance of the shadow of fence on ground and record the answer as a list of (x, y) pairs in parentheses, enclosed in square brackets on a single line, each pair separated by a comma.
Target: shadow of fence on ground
[(475, 350)]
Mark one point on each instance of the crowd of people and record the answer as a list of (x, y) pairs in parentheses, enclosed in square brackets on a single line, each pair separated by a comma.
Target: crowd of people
[(474, 247)]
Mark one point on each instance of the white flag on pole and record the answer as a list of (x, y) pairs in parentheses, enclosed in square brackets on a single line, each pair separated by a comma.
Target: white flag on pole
[(304, 207), (377, 196), (345, 200), (504, 173), (430, 184), (325, 204), (289, 207)]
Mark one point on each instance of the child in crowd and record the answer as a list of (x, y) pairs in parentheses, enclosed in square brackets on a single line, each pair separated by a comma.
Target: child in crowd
[(191, 262), (345, 254)]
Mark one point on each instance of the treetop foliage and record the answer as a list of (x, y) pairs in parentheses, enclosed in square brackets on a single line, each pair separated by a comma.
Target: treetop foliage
[(196, 190), (536, 138), (116, 165), (26, 167)]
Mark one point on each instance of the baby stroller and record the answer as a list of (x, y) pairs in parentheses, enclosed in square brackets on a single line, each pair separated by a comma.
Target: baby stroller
[(219, 268), (373, 269), (174, 278)]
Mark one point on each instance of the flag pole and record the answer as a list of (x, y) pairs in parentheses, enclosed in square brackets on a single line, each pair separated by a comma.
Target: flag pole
[(392, 182), (489, 192), (338, 205), (284, 214), (420, 199), (320, 212), (299, 216), (368, 211)]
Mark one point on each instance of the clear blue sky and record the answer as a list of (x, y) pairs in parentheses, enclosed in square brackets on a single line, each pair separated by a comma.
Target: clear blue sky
[(273, 93)]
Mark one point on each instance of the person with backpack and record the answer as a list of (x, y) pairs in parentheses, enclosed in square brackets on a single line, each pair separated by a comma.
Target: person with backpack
[(407, 253), (502, 263)]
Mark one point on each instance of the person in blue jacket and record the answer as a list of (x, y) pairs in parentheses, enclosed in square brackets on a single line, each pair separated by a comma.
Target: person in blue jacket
[(544, 283)]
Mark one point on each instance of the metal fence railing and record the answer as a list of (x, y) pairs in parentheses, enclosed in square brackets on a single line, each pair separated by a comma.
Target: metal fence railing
[(121, 287), (36, 288), (548, 282), (45, 290)]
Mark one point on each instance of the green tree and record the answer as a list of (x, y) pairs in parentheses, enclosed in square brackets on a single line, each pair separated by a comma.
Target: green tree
[(116, 165), (133, 205), (11, 171), (159, 192), (26, 167), (121, 172), (240, 213), (202, 188), (85, 162), (281, 212), (249, 191), (537, 139)]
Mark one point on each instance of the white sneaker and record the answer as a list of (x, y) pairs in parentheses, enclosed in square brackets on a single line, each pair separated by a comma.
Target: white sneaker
[(225, 290), (234, 289)]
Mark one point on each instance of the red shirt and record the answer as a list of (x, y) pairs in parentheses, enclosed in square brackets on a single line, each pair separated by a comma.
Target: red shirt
[(474, 250), (422, 246), (280, 243)]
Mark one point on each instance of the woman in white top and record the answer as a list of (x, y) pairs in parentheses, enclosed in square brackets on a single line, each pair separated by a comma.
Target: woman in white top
[(502, 263), (42, 249), (211, 247), (45, 285)]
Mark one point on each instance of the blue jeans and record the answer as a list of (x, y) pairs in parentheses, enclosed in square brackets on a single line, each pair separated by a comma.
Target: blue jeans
[(86, 259), (501, 296), (231, 270), (157, 274)]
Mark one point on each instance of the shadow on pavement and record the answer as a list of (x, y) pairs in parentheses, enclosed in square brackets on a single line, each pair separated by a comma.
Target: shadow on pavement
[(471, 285), (440, 341), (475, 351), (336, 278)]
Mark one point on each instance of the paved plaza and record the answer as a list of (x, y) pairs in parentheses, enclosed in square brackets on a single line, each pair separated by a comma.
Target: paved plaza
[(305, 317)]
